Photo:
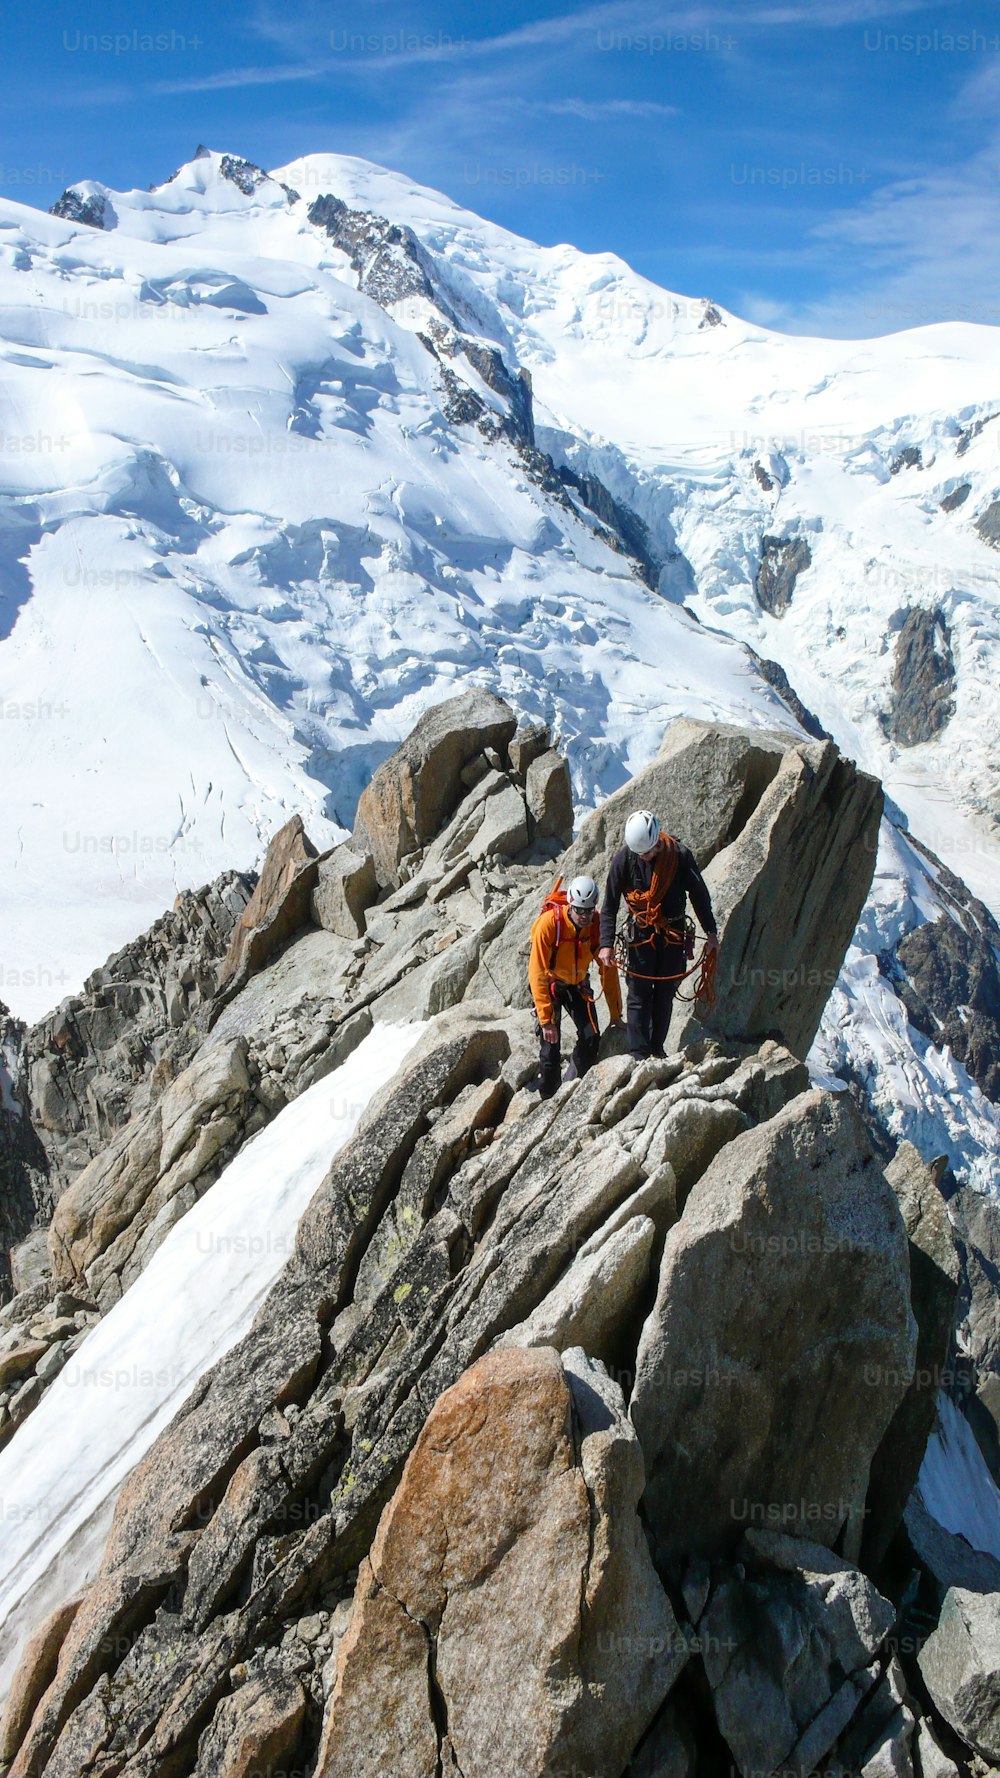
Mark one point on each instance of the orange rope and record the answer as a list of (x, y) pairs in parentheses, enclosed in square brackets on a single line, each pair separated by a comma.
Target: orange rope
[(705, 967)]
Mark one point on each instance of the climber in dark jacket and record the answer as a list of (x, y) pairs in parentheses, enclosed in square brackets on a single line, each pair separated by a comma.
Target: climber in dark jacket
[(655, 874)]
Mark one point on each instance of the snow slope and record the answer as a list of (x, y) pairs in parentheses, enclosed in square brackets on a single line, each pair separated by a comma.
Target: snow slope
[(247, 539), (674, 402), (242, 548), (198, 1297)]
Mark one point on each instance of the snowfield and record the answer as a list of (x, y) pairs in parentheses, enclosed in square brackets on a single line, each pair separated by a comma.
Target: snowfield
[(247, 538)]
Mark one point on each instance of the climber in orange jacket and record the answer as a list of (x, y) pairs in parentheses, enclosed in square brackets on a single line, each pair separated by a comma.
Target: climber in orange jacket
[(564, 942)]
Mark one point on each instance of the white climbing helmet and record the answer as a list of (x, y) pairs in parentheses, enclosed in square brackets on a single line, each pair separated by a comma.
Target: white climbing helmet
[(642, 830), (582, 893)]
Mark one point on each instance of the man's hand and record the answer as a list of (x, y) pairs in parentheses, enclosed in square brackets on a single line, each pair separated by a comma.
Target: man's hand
[(711, 942), (606, 956), (550, 1033)]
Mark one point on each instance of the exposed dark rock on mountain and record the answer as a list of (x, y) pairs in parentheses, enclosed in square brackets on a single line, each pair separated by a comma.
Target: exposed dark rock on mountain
[(625, 525), (909, 458), (988, 524), (951, 991), (957, 497), (923, 679), (93, 210), (389, 260), (782, 560), (776, 676), (968, 433)]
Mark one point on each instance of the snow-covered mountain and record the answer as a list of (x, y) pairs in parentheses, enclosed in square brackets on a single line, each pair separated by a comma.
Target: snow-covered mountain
[(286, 455)]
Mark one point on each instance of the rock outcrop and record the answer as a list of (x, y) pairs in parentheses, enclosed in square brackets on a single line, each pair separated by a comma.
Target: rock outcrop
[(416, 790), (923, 679), (278, 907), (118, 1210), (782, 560), (781, 1341), (960, 1664), (509, 1564), (95, 1060)]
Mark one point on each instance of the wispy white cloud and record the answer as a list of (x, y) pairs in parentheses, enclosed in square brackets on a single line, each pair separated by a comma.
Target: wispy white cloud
[(602, 110)]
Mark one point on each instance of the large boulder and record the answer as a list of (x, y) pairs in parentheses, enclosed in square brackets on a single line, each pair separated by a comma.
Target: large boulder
[(781, 1341), (278, 907), (346, 886), (510, 1564), (960, 1664), (416, 789), (788, 1638)]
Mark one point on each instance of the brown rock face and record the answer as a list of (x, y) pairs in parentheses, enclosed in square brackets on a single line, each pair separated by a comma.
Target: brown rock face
[(33, 1677), (419, 786), (509, 1565), (255, 1731), (279, 905)]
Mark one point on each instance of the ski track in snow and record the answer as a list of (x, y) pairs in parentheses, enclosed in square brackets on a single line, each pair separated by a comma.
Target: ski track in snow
[(61, 1472)]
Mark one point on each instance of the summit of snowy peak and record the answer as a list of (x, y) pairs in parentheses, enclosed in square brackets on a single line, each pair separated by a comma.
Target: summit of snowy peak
[(87, 201)]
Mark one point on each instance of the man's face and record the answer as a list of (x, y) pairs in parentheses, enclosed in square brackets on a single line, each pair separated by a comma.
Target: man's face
[(648, 856), (581, 916)]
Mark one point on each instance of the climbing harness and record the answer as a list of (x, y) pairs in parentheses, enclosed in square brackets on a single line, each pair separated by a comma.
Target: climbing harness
[(703, 968)]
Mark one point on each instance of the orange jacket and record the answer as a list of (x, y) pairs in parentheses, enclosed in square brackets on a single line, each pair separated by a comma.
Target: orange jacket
[(562, 952)]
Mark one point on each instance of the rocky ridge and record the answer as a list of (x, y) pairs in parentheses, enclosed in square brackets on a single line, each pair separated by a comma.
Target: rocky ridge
[(647, 1352)]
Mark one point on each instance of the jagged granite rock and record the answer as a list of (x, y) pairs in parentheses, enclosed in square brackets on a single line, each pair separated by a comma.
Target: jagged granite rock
[(957, 497), (278, 908), (227, 1535), (416, 790), (878, 1743), (254, 1731), (37, 1671), (788, 1639), (781, 1341), (528, 743), (782, 560), (934, 1285), (549, 795), (110, 1221), (510, 1563), (104, 1052), (922, 699), (960, 1664), (787, 894), (346, 887)]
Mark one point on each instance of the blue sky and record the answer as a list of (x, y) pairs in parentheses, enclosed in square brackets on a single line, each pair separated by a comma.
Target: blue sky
[(824, 166)]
